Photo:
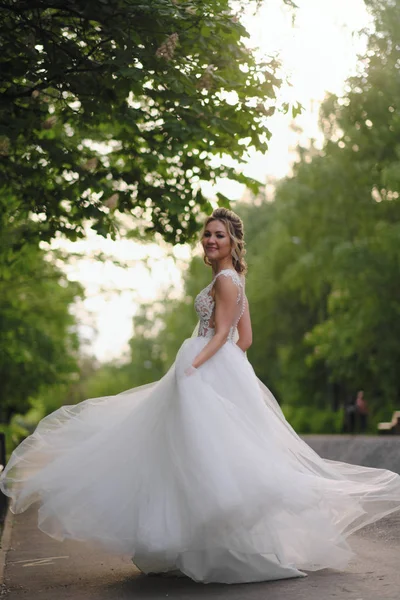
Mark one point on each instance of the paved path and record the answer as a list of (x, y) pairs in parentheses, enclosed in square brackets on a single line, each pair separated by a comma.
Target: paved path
[(39, 568)]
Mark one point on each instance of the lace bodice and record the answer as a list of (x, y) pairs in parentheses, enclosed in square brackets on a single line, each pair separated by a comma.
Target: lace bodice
[(205, 304)]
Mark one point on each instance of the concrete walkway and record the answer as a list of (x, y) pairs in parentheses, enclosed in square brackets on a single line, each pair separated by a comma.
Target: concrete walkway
[(39, 568)]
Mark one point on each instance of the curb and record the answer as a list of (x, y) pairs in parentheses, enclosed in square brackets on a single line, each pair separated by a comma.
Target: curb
[(5, 542)]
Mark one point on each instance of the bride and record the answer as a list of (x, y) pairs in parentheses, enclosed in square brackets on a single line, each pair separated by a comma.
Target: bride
[(198, 472)]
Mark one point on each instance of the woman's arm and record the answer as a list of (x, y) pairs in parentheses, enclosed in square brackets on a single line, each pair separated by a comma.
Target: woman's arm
[(244, 329), (226, 292)]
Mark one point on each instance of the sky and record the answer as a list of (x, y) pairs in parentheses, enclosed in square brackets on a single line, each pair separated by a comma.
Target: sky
[(318, 52)]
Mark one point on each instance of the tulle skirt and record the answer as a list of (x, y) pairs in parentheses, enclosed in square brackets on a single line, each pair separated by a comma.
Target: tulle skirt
[(198, 473)]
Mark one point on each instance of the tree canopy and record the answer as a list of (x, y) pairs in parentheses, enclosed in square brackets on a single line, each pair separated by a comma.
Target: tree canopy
[(331, 252), (124, 106), (38, 333)]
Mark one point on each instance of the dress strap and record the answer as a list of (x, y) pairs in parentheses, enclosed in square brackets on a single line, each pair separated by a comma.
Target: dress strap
[(234, 275)]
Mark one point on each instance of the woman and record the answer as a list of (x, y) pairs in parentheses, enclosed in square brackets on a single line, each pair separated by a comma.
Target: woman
[(199, 472)]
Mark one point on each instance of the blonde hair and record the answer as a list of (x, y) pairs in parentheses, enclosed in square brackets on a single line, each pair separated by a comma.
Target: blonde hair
[(234, 227)]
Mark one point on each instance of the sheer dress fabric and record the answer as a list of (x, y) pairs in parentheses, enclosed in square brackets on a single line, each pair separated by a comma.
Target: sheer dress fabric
[(202, 474)]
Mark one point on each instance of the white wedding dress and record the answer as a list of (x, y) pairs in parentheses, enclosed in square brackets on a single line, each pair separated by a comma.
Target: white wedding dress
[(198, 473)]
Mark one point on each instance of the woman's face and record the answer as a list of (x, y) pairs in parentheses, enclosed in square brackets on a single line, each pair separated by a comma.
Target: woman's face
[(216, 241)]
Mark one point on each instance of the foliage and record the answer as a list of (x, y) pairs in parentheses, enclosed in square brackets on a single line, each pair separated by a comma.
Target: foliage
[(328, 272), (125, 105), (305, 419), (38, 338)]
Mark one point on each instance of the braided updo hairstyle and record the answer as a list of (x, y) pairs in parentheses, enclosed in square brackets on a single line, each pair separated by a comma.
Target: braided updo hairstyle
[(234, 227)]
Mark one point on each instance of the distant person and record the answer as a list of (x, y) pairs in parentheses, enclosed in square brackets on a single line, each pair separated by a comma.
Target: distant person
[(349, 425), (362, 412)]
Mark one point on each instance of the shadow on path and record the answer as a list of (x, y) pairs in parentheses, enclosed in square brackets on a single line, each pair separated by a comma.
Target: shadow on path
[(39, 568)]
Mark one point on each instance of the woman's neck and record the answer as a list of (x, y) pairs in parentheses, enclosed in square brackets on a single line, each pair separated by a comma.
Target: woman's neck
[(223, 264)]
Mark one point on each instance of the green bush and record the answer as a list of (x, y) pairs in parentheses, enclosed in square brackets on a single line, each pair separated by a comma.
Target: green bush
[(306, 419), (14, 433)]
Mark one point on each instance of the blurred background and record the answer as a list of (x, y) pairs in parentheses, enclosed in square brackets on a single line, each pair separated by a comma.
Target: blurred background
[(122, 127)]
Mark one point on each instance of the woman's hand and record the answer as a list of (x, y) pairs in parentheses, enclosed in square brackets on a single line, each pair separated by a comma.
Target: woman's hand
[(190, 371)]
